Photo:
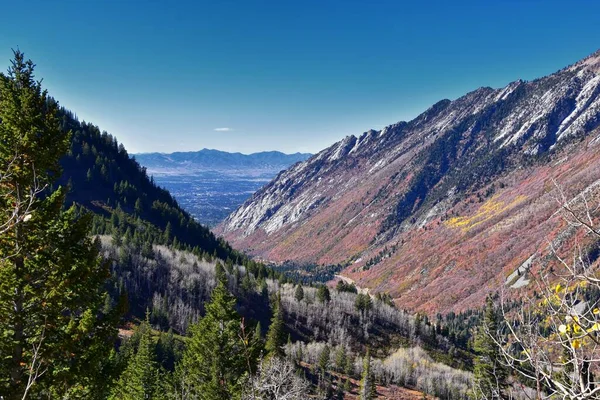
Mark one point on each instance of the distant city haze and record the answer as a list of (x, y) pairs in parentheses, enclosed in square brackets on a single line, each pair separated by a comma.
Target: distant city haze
[(290, 76), (210, 184)]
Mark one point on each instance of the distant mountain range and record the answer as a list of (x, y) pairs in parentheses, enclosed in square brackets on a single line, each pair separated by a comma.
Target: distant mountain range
[(440, 210), (180, 163), (212, 183)]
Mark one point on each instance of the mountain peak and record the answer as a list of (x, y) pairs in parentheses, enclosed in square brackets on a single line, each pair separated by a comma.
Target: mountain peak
[(590, 63)]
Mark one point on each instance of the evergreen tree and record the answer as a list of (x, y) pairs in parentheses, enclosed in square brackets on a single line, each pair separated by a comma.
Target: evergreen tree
[(299, 294), (368, 389), (258, 331), (363, 303), (220, 273), (168, 234), (213, 362), (299, 354), (340, 359), (324, 359), (138, 208), (490, 375), (276, 333), (141, 378), (166, 351), (53, 337), (257, 345), (323, 294), (247, 284)]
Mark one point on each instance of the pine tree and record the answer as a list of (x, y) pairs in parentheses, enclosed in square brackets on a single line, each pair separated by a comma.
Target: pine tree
[(257, 345), (276, 333), (138, 208), (299, 294), (141, 378), (247, 284), (51, 276), (168, 234), (368, 389), (363, 303), (340, 359), (220, 273), (258, 331), (323, 294), (490, 375), (324, 359), (166, 351), (213, 362)]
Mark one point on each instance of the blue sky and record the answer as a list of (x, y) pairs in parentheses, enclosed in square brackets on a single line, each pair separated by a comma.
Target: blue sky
[(282, 75)]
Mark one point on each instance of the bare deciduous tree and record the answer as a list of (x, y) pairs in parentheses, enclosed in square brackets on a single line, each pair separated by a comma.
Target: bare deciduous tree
[(553, 340), (276, 379)]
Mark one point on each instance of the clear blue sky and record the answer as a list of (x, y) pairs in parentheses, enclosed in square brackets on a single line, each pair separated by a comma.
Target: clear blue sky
[(283, 75)]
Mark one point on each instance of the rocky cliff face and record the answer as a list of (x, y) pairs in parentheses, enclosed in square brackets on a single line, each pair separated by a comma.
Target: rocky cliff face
[(430, 210)]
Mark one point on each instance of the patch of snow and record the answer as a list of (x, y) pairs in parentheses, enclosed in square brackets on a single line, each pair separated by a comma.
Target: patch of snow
[(508, 90), (595, 140), (575, 121), (521, 282), (340, 149), (377, 165), (521, 273), (432, 213)]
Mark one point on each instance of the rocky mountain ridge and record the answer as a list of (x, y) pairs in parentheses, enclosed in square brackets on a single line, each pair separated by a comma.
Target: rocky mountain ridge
[(478, 161)]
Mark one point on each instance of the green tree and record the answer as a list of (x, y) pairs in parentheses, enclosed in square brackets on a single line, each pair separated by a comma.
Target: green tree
[(323, 294), (324, 359), (490, 375), (220, 273), (299, 294), (254, 346), (363, 303), (213, 362), (141, 377), (166, 350), (168, 234), (340, 359), (53, 337), (258, 331), (138, 208), (368, 389), (276, 334), (247, 284)]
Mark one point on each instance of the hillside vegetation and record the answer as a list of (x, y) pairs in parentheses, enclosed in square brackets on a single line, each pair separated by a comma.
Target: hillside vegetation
[(110, 290)]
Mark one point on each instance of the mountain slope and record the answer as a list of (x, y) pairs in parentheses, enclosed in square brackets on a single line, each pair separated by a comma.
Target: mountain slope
[(434, 210), (104, 179)]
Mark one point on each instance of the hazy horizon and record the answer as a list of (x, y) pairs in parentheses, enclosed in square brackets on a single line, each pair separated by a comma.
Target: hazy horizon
[(231, 152)]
